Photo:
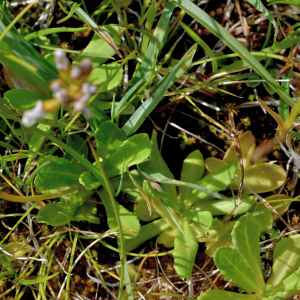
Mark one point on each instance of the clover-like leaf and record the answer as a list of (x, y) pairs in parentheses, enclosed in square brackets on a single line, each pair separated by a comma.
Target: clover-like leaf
[(109, 76)]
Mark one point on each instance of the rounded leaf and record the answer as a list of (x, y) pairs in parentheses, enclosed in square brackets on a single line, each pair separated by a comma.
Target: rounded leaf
[(142, 212), (17, 249), (262, 178), (212, 164), (192, 171), (247, 144), (59, 173), (167, 238), (224, 207)]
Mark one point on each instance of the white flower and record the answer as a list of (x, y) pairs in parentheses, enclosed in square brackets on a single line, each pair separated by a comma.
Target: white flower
[(61, 61), (31, 116)]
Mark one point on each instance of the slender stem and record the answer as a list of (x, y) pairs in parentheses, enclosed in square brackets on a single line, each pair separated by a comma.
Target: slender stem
[(107, 187)]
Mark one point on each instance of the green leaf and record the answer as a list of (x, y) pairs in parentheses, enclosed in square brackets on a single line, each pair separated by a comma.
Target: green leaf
[(167, 238), (265, 220), (98, 45), (221, 237), (289, 41), (137, 119), (158, 163), (247, 145), (246, 234), (262, 178), (153, 192), (59, 173), (214, 182), (142, 212), (127, 185), (224, 295), (290, 284), (47, 31), (268, 87), (228, 39), (286, 259), (4, 109), (184, 258), (192, 171), (38, 280), (4, 262), (134, 150), (226, 207), (98, 113), (202, 217), (62, 212), (22, 100), (20, 56), (17, 249), (291, 2), (147, 232), (110, 76), (149, 172), (89, 181), (130, 224), (254, 84), (147, 67), (70, 14), (109, 138), (78, 144), (232, 265), (87, 212)]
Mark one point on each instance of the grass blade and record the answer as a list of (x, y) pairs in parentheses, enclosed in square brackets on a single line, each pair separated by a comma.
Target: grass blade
[(229, 40), (136, 120), (98, 29)]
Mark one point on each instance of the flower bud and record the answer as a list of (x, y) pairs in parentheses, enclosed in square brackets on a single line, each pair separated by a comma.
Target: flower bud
[(62, 96), (62, 63), (32, 115), (84, 69)]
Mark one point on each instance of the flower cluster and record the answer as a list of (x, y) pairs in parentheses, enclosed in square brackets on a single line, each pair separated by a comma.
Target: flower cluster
[(71, 88)]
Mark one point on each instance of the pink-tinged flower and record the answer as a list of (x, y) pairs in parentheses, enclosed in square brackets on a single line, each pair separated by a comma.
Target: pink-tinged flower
[(70, 89)]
